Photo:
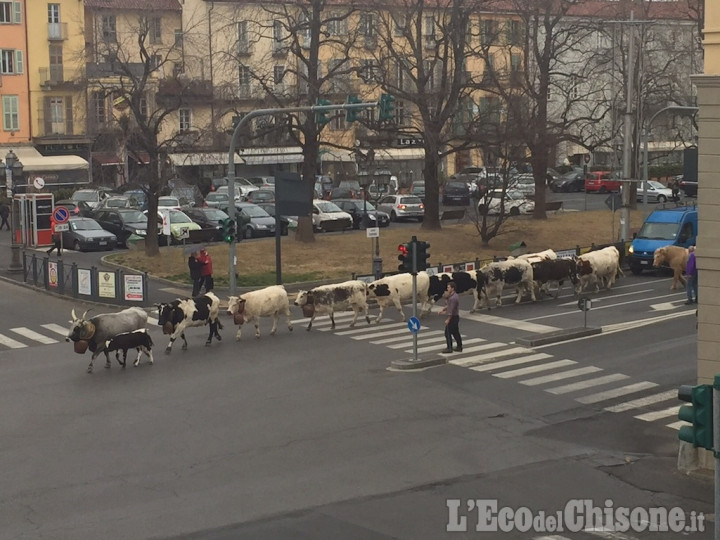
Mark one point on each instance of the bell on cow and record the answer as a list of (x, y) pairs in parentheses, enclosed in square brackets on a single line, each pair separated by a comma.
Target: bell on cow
[(81, 346), (238, 318), (167, 328), (308, 310)]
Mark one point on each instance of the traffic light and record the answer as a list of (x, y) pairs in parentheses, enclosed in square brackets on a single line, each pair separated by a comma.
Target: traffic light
[(405, 257), (321, 117), (699, 414), (352, 114), (387, 107), (227, 228), (422, 255)]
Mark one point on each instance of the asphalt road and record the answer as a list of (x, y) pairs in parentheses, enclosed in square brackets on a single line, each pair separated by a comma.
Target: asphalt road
[(309, 435)]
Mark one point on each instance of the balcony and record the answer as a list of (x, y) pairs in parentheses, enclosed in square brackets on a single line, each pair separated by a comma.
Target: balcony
[(58, 76), (98, 70), (57, 31), (191, 91)]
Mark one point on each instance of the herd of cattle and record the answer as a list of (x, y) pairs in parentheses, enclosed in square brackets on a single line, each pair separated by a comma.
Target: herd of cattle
[(530, 274)]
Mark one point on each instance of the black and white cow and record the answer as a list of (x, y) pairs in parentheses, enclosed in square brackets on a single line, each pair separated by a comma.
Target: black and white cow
[(554, 271), (139, 340), (397, 289), (97, 330), (176, 316), (494, 277), (331, 298), (465, 283)]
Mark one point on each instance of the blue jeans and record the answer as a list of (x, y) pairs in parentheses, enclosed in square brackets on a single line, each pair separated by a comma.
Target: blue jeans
[(691, 288)]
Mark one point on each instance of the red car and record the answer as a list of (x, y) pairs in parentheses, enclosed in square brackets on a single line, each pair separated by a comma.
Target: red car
[(602, 182)]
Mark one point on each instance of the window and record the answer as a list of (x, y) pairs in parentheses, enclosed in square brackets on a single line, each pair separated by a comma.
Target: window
[(143, 107), (574, 87), (56, 63), (278, 75), (178, 38), (338, 122), (367, 25), (10, 113), (185, 119), (108, 30), (243, 41), (513, 32), (11, 61), (57, 119), (368, 70), (244, 80), (400, 25), (53, 13), (278, 37), (430, 74), (10, 12), (97, 102), (487, 31), (155, 29), (336, 26), (304, 30)]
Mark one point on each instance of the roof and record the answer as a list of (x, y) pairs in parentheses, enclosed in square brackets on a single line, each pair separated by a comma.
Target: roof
[(154, 5)]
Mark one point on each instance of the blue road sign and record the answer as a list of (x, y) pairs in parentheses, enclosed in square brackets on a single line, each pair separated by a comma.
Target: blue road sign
[(60, 214), (414, 325)]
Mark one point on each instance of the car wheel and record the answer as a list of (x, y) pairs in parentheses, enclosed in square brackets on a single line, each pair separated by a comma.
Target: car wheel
[(662, 198), (76, 245), (248, 232), (514, 211), (636, 269), (603, 189)]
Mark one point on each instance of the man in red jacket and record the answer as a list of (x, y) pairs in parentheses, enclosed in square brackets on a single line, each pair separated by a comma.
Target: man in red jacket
[(206, 270)]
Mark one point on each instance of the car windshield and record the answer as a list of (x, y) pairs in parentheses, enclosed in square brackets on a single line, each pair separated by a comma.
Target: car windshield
[(655, 184), (410, 200), (262, 194), (514, 195), (215, 214), (327, 207), (659, 231), (85, 196), (217, 197), (168, 201), (244, 182), (254, 211), (456, 185), (135, 216), (116, 203), (179, 217), (85, 225), (418, 189)]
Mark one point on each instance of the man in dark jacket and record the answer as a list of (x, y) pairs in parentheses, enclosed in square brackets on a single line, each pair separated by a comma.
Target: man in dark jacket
[(195, 273), (4, 214)]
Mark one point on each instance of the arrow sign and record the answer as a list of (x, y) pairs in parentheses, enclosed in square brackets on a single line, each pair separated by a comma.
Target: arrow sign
[(414, 325), (614, 201), (665, 306)]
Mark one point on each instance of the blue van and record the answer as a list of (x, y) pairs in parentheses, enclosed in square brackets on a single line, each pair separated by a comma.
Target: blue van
[(664, 227)]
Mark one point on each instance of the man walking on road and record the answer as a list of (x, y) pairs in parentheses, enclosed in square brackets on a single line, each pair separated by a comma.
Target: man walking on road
[(452, 322), (4, 214)]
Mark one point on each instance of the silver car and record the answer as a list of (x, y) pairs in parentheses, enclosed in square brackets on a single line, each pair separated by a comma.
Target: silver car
[(402, 207)]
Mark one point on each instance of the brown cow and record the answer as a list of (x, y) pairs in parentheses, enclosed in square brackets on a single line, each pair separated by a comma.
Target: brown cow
[(676, 258)]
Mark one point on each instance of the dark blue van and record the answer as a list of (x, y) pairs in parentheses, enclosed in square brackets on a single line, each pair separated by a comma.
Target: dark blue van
[(664, 227)]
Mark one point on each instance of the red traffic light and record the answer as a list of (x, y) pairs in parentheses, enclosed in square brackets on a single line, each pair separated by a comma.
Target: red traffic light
[(403, 249)]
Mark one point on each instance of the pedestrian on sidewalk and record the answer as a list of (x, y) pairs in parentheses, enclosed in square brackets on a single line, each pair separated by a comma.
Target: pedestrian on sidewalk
[(206, 270), (452, 321), (56, 240), (195, 267), (4, 214), (691, 277)]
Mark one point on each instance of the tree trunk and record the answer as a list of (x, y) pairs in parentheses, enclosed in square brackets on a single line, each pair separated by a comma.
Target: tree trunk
[(431, 221)]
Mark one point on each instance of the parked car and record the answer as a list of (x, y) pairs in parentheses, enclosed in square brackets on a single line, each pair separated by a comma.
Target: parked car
[(688, 187), (188, 195), (263, 182), (602, 182), (253, 221), (122, 222), (208, 218), (456, 193), (286, 222), (91, 196), (327, 217), (357, 208), (216, 200), (515, 203), (525, 183), (86, 234), (114, 202), (138, 198), (569, 182), (323, 185), (656, 192), (418, 189), (402, 207), (243, 187), (169, 202), (75, 208), (260, 195), (180, 223)]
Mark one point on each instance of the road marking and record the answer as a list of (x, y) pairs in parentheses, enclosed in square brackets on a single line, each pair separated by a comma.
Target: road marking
[(365, 328), (617, 392), (666, 306), (534, 369), (10, 342), (502, 321), (560, 376), (444, 344), (482, 358), (657, 415), (430, 337), (676, 425), (61, 330), (370, 332), (152, 321), (604, 298), (589, 383), (642, 402), (594, 299), (513, 362), (402, 336), (31, 334)]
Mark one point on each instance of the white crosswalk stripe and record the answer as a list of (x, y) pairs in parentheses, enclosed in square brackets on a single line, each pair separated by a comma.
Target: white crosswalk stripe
[(574, 387), (10, 342), (31, 334), (441, 344), (487, 357), (434, 336), (657, 415), (560, 376), (61, 330), (365, 327), (616, 392), (643, 402), (534, 369), (513, 362)]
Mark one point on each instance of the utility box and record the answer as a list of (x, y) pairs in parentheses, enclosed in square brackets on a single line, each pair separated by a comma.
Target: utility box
[(31, 219)]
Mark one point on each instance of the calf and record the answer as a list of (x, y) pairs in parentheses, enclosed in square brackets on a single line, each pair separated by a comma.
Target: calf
[(398, 289), (139, 340), (465, 283), (601, 266), (176, 316), (97, 330), (331, 298), (267, 302), (553, 271), (494, 277), (676, 258)]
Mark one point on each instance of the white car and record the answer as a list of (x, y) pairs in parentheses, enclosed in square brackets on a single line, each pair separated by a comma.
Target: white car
[(327, 216), (525, 183), (169, 203), (656, 192), (243, 186), (516, 203)]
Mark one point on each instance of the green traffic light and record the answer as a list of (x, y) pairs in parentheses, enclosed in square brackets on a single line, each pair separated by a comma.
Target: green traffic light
[(699, 414), (321, 117)]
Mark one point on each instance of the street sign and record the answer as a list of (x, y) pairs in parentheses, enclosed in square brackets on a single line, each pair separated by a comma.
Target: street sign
[(184, 233), (38, 183), (372, 232), (60, 214), (614, 201), (414, 325), (62, 227), (587, 158), (584, 303)]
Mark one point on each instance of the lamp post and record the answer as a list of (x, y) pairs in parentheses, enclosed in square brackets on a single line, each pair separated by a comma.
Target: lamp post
[(13, 168), (673, 108)]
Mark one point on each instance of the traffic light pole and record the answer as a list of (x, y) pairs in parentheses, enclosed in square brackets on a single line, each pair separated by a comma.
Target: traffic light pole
[(716, 451), (231, 160), (413, 245)]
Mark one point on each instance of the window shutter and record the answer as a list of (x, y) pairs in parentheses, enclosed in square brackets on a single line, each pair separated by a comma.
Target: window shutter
[(68, 116), (17, 12), (47, 116), (18, 61)]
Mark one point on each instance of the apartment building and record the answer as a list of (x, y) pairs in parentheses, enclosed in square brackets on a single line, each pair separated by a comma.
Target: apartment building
[(14, 88)]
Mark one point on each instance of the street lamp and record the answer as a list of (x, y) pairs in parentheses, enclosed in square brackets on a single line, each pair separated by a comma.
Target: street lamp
[(13, 168), (675, 109)]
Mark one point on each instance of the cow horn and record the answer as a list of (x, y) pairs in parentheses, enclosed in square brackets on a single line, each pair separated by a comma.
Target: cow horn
[(86, 312), (73, 314)]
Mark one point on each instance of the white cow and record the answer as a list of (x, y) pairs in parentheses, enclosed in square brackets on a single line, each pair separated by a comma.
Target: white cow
[(398, 289), (545, 255), (494, 277), (327, 299), (601, 266), (268, 302)]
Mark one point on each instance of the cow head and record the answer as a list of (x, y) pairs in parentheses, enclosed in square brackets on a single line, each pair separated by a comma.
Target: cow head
[(236, 308), (165, 317), (81, 328), (659, 258), (378, 290), (306, 300)]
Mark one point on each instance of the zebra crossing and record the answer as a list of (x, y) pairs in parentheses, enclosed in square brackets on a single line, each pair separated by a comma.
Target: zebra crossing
[(585, 384), (22, 336)]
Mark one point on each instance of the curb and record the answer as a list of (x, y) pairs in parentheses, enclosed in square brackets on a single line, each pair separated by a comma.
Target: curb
[(408, 365), (557, 336)]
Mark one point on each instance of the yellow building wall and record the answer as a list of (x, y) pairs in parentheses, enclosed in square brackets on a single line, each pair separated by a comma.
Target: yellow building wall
[(13, 36)]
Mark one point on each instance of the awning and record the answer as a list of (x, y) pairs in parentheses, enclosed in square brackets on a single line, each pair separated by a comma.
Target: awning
[(381, 154), (273, 155), (53, 163), (202, 158), (106, 158)]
